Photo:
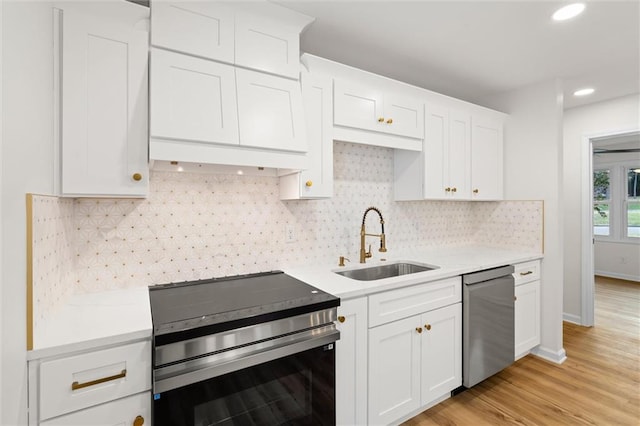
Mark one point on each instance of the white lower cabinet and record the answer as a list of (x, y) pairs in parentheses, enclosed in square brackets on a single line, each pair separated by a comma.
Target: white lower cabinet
[(414, 361), (133, 410), (527, 307), (103, 386), (351, 363)]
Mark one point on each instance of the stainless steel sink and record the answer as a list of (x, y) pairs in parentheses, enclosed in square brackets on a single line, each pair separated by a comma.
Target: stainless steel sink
[(385, 271)]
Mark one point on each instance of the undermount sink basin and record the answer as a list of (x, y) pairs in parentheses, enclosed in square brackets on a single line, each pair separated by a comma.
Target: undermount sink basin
[(385, 271)]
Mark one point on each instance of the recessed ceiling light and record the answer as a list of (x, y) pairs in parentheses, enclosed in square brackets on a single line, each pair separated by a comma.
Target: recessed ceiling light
[(569, 11), (584, 92)]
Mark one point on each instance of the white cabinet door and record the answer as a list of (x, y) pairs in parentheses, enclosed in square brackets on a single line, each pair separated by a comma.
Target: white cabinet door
[(317, 180), (486, 159), (270, 112), (192, 99), (436, 153), (266, 45), (394, 370), (403, 116), (441, 352), (124, 411), (459, 156), (204, 29), (357, 106), (351, 363), (104, 100), (527, 317)]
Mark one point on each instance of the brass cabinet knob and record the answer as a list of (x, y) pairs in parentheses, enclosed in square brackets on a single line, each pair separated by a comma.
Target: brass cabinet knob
[(390, 121), (139, 421), (381, 119), (515, 298), (475, 191), (447, 189), (526, 273), (419, 330), (308, 183), (341, 318), (454, 189), (137, 177), (427, 326)]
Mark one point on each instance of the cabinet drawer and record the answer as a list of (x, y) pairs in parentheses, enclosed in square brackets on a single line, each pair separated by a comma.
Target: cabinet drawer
[(526, 272), (121, 412), (396, 304), (92, 378)]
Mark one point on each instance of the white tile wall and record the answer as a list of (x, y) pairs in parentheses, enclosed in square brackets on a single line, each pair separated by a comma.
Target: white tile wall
[(196, 226), (53, 254)]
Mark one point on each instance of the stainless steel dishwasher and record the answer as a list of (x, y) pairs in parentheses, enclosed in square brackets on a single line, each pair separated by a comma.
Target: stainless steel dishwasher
[(487, 323)]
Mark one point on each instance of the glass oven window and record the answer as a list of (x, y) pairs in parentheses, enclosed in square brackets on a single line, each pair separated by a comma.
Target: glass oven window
[(295, 390)]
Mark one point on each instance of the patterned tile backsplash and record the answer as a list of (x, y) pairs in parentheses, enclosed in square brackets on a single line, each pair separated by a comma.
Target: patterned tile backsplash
[(195, 226)]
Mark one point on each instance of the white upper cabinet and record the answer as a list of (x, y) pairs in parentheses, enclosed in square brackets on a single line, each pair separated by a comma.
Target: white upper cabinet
[(204, 109), (270, 112), (368, 108), (103, 65), (199, 28), (461, 158), (486, 159), (192, 99), (317, 180)]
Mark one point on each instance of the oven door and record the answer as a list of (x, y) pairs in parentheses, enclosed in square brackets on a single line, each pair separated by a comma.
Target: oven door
[(297, 389)]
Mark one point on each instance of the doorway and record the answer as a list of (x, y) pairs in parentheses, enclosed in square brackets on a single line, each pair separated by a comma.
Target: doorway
[(603, 153)]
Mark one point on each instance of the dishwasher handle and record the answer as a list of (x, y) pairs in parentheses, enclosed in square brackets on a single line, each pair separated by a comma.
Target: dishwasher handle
[(487, 274)]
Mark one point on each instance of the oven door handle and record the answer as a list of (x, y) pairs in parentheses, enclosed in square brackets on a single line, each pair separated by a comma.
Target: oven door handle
[(199, 369)]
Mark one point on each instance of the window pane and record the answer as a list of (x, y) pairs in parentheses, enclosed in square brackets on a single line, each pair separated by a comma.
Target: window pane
[(601, 185), (601, 219), (633, 183), (633, 219)]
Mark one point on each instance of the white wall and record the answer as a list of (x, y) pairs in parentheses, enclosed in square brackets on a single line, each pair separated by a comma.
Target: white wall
[(621, 114), (27, 161), (1, 180), (533, 170)]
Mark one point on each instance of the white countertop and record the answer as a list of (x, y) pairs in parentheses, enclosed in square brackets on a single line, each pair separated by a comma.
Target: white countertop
[(451, 261), (101, 319), (94, 320)]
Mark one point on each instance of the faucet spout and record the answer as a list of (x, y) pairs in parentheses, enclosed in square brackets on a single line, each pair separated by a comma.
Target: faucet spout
[(363, 233)]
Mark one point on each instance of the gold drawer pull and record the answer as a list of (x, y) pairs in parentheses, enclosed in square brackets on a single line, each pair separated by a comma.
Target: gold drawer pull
[(390, 121), (341, 318), (419, 330), (427, 326), (526, 273), (139, 421), (381, 120), (76, 385)]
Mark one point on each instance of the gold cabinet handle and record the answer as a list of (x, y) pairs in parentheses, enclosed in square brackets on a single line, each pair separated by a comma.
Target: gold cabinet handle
[(390, 121), (76, 385), (515, 298), (419, 330), (454, 189), (475, 191), (308, 183), (526, 273), (447, 189), (381, 120), (341, 318), (137, 177), (427, 326), (139, 421)]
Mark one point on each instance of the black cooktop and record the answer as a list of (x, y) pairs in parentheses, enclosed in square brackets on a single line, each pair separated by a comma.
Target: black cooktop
[(190, 309)]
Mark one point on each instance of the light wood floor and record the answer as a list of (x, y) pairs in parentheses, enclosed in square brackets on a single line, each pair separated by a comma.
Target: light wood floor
[(599, 384)]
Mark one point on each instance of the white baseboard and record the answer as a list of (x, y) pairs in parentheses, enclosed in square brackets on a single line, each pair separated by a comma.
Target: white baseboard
[(557, 357), (575, 319), (617, 275)]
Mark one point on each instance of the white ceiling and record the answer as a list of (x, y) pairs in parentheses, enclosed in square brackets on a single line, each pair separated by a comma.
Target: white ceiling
[(471, 49)]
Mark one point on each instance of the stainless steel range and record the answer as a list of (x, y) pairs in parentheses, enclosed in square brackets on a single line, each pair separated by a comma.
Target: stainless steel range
[(251, 349)]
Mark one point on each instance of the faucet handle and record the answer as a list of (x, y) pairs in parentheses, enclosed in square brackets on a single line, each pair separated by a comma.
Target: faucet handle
[(368, 254), (342, 259)]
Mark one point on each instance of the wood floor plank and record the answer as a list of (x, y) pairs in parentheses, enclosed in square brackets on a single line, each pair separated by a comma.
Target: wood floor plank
[(599, 384)]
